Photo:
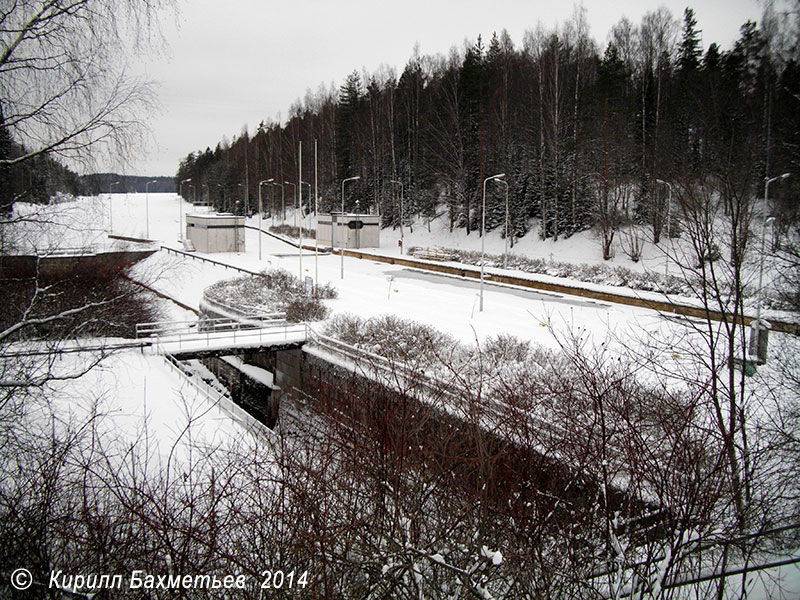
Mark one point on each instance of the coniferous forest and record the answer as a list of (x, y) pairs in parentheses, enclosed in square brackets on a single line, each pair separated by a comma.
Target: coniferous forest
[(583, 131)]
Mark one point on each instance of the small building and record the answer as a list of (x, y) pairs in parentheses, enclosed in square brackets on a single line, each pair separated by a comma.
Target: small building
[(215, 232), (348, 230)]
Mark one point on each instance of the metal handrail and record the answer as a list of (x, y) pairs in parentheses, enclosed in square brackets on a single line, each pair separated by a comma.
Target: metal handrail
[(208, 260), (240, 336), (156, 328)]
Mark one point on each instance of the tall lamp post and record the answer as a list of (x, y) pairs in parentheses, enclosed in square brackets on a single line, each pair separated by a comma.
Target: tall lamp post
[(483, 229), (669, 221), (180, 206), (260, 211), (402, 239), (272, 201), (341, 253), (310, 193), (294, 194), (505, 252), (111, 208), (758, 342), (283, 203), (147, 208)]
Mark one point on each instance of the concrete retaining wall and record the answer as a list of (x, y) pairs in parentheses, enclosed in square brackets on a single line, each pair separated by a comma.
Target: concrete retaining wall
[(55, 267)]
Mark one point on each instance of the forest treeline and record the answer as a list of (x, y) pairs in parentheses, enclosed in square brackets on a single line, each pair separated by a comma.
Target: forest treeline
[(40, 178), (586, 136)]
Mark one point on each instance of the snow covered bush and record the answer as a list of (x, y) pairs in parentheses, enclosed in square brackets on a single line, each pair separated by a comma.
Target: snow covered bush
[(272, 291), (392, 337)]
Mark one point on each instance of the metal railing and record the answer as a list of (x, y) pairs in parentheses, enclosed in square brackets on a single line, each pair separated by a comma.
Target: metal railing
[(160, 328), (208, 260), (241, 311), (405, 378), (221, 400)]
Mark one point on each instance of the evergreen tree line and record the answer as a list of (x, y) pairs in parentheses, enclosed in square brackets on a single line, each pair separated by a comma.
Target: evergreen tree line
[(585, 137), (37, 179)]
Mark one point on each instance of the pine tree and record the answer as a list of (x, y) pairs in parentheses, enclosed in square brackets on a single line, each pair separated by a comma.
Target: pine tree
[(471, 88), (347, 125), (689, 50)]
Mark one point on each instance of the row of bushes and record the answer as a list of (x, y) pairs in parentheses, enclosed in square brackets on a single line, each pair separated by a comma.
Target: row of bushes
[(686, 285), (591, 273), (292, 231), (426, 349)]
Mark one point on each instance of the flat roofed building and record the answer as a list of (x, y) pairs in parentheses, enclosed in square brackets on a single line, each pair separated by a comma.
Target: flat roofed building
[(216, 232), (348, 230)]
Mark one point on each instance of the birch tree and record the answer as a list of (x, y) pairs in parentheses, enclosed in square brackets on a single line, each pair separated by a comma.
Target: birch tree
[(66, 86)]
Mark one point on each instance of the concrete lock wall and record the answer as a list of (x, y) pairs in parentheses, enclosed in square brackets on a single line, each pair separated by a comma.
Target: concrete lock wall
[(257, 399), (216, 232), (54, 267), (352, 230)]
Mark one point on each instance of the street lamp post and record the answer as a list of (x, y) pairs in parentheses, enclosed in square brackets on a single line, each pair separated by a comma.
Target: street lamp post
[(483, 229), (300, 209), (310, 192), (669, 221), (111, 208), (180, 205), (505, 252), (402, 239), (260, 183), (758, 342), (147, 208), (341, 245), (272, 201), (294, 194), (316, 187)]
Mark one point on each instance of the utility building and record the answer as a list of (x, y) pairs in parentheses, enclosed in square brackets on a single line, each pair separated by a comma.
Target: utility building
[(346, 230), (215, 232)]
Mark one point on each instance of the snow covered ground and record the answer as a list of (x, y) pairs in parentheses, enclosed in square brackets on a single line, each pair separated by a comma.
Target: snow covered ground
[(138, 393), (133, 398)]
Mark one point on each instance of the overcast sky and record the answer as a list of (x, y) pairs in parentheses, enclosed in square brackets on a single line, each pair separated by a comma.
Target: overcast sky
[(234, 63)]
